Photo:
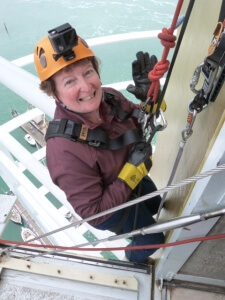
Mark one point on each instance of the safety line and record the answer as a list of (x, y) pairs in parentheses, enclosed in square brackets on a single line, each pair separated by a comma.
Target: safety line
[(131, 203), (168, 41), (141, 247), (176, 50)]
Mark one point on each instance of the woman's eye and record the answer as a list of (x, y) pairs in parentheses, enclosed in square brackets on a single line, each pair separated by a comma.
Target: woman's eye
[(69, 82), (89, 72)]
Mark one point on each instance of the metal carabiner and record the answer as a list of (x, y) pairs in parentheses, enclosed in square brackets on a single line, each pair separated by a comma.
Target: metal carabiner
[(163, 124), (157, 125), (195, 78), (143, 116), (209, 71), (145, 123)]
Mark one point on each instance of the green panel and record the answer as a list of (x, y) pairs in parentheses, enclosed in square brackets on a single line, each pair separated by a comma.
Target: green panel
[(53, 200), (109, 255), (90, 237)]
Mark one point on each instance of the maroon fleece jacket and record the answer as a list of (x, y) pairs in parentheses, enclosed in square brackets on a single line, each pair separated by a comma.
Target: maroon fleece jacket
[(87, 174)]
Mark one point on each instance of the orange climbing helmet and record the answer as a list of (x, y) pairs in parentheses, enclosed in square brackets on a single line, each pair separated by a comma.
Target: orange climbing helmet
[(59, 49)]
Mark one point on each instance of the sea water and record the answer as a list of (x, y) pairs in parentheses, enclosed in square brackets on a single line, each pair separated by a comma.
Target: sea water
[(24, 22)]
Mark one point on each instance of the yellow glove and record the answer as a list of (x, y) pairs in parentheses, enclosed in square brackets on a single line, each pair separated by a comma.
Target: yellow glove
[(138, 165), (153, 110)]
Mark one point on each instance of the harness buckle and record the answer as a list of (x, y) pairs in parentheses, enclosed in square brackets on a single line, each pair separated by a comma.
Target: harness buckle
[(73, 138), (209, 71), (198, 103), (94, 143)]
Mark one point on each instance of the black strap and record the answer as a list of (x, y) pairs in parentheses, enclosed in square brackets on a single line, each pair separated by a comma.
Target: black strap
[(126, 211), (96, 137), (222, 12), (117, 228), (122, 115)]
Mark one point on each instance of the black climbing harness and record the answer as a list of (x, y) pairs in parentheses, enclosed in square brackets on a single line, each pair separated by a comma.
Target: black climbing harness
[(96, 137)]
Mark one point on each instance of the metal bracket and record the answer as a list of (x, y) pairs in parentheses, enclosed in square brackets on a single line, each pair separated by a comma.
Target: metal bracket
[(159, 283)]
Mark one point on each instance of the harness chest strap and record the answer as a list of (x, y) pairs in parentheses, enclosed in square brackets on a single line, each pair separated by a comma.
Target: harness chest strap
[(95, 137)]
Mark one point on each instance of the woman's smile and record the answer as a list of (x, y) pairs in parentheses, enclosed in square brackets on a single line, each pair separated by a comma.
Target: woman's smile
[(87, 98)]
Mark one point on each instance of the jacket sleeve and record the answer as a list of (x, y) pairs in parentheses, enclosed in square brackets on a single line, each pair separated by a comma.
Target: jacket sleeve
[(85, 175)]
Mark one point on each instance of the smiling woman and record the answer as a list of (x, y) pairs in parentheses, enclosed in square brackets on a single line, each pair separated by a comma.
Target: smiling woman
[(95, 148)]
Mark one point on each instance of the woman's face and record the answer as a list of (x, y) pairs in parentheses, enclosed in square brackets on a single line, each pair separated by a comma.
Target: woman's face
[(79, 87)]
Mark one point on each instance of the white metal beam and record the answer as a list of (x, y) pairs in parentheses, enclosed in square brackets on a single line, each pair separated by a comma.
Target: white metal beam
[(26, 85), (33, 165), (99, 278), (26, 60), (41, 209), (21, 119), (6, 205), (67, 276)]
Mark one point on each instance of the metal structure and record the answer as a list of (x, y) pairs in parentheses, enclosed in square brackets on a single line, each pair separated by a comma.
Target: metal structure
[(97, 277)]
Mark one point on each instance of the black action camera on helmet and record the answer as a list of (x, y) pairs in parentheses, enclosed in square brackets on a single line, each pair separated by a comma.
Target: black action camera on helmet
[(63, 38)]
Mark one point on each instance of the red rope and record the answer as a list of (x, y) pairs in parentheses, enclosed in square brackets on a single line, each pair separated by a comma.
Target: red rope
[(168, 41), (177, 243)]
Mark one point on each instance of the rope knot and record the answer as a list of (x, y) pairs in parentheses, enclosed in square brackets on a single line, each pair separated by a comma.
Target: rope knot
[(167, 38), (159, 70), (155, 75)]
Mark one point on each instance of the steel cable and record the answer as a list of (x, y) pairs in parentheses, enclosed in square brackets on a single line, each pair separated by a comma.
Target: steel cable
[(169, 188)]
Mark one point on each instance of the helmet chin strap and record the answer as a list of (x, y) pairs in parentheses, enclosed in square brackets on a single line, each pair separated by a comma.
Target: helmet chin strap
[(60, 102), (98, 115), (56, 99)]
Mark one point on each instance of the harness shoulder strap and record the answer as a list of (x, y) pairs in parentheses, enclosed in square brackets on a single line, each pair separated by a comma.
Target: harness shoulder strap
[(110, 98), (121, 114)]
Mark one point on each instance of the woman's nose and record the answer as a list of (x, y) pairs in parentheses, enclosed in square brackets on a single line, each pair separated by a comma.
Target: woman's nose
[(84, 84)]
